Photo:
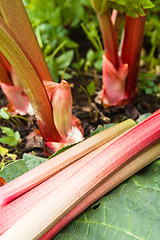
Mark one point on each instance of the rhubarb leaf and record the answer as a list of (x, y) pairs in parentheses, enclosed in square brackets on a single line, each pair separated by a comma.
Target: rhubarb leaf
[(142, 117), (101, 128), (32, 161), (131, 211), (131, 8), (13, 170)]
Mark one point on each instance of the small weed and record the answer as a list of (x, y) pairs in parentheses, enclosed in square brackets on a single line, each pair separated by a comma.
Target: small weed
[(6, 157), (11, 138), (147, 83)]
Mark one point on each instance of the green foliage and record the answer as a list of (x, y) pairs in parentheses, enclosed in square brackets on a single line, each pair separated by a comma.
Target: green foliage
[(12, 138), (131, 8), (152, 33), (53, 22), (32, 161), (13, 170), (58, 65), (147, 83)]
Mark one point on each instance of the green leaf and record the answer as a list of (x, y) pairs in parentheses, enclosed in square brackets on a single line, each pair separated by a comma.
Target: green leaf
[(12, 137), (7, 131), (142, 117), (101, 128), (129, 212), (91, 88), (4, 114), (32, 161), (64, 60), (13, 170), (132, 8)]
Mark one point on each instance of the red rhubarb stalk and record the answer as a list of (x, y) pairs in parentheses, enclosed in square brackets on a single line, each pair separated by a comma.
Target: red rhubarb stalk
[(137, 163), (131, 50), (56, 204), (34, 177), (21, 205), (4, 78)]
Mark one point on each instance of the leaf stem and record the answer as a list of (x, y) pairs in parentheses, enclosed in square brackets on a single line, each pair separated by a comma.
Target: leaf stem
[(109, 38)]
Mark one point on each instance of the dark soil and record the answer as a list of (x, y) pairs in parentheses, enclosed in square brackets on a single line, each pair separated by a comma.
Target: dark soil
[(89, 111)]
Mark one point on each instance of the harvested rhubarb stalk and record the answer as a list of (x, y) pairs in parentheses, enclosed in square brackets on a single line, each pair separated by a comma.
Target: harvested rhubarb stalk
[(44, 171), (139, 162), (80, 183)]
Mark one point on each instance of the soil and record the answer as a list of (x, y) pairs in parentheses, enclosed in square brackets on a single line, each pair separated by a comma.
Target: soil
[(89, 111)]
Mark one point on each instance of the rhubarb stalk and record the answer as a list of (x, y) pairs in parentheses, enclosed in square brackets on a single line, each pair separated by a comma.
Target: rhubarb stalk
[(34, 177), (131, 50), (139, 162), (14, 14), (10, 47), (109, 38), (101, 167)]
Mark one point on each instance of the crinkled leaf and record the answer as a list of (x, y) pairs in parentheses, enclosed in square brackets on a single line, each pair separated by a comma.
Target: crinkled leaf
[(131, 211), (13, 170)]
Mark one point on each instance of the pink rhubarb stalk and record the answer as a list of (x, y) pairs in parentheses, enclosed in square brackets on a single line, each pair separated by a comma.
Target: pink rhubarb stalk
[(18, 100), (114, 80), (114, 72), (44, 171), (80, 179), (139, 162)]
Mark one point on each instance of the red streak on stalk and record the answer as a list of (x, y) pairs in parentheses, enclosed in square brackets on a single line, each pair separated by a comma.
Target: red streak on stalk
[(131, 50), (4, 62), (109, 38), (4, 70)]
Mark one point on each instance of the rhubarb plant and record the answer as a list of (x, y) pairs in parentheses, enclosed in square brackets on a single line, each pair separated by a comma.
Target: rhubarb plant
[(120, 71), (52, 206), (27, 60)]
